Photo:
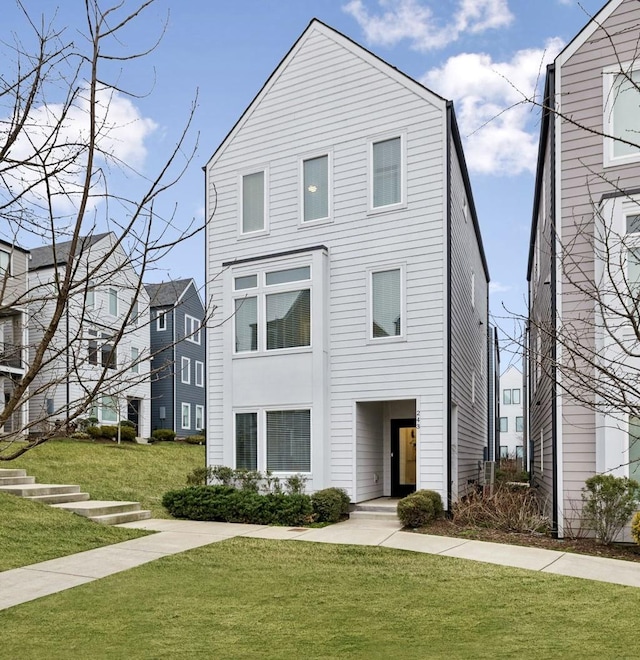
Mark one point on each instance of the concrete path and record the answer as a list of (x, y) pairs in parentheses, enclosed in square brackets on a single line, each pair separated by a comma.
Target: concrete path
[(24, 584)]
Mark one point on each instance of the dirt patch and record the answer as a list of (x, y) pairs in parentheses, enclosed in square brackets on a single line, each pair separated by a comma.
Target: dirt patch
[(630, 552)]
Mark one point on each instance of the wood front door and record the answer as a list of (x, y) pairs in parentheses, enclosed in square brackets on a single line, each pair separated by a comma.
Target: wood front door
[(403, 457)]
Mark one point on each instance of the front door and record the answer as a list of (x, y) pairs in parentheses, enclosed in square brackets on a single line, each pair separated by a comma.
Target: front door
[(133, 412), (403, 457)]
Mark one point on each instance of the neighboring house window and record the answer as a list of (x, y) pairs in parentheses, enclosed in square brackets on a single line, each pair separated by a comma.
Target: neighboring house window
[(473, 290), (161, 321), (506, 397), (185, 370), (633, 275), (386, 304), (473, 387), (109, 356), (634, 448), (504, 425), (192, 329), (519, 424), (315, 188), (135, 365), (386, 172), (541, 451), (113, 302), (515, 396), (5, 262), (622, 118), (199, 373), (186, 415), (199, 418), (253, 202), (519, 452), (109, 409), (504, 451), (93, 347), (134, 313), (289, 440), (247, 441), (90, 297)]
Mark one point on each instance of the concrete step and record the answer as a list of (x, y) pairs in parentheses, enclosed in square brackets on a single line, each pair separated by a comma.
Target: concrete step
[(124, 517), (5, 472), (373, 515), (10, 481), (381, 508), (26, 490), (94, 508), (59, 499)]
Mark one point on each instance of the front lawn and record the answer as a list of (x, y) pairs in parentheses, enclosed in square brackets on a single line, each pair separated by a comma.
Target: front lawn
[(251, 598)]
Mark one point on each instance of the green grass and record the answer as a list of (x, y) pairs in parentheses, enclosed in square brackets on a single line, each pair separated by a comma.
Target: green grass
[(140, 473), (31, 532), (250, 598)]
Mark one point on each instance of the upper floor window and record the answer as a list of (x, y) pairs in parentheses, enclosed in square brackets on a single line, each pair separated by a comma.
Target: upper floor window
[(519, 424), (315, 188), (386, 304), (134, 312), (90, 296), (113, 302), (135, 364), (5, 262), (192, 329), (253, 202), (622, 115), (185, 370), (634, 448), (161, 321), (386, 172), (504, 425), (199, 373), (506, 397)]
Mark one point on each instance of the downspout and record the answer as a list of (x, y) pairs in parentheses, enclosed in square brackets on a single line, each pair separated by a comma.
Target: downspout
[(448, 267)]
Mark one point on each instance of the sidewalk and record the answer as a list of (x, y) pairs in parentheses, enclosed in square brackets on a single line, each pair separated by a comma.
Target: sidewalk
[(21, 585)]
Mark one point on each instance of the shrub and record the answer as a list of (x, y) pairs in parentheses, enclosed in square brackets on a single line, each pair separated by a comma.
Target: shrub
[(163, 435), (94, 431), (420, 508), (199, 476), (635, 528), (80, 435), (127, 433), (127, 423), (108, 431), (195, 439), (330, 504), (227, 504), (608, 504), (295, 484)]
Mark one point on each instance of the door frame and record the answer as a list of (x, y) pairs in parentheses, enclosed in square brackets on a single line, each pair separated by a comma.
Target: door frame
[(397, 489)]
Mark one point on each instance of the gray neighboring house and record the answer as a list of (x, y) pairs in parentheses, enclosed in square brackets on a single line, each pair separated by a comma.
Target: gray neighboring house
[(346, 257), (587, 186), (178, 349)]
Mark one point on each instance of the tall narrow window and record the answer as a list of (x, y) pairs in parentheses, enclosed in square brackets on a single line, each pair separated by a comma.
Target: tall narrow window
[(186, 416), (247, 441), (386, 304), (199, 423), (134, 313), (386, 160), (289, 440), (504, 425), (185, 370), (113, 302), (625, 115), (135, 365), (515, 396), (288, 319), (315, 193), (253, 202), (90, 297), (506, 397), (519, 424), (192, 329), (109, 356), (246, 324), (5, 261), (199, 373), (93, 351), (161, 321)]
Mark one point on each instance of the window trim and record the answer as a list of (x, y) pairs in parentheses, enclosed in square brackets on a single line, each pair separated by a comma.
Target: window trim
[(265, 229), (199, 369), (328, 218), (199, 408), (506, 425), (135, 360), (185, 368), (382, 268), (182, 409), (609, 75), (112, 295), (190, 334), (374, 210), (9, 268)]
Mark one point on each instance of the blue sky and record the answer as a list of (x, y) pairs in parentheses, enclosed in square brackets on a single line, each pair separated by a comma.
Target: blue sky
[(485, 55)]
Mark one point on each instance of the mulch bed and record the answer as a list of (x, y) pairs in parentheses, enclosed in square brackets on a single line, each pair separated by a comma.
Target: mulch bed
[(444, 527)]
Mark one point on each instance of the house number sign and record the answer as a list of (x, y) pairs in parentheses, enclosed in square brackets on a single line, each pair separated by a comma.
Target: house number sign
[(417, 419)]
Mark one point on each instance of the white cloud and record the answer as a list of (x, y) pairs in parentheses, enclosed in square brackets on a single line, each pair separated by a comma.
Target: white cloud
[(409, 19), (497, 287), (496, 120)]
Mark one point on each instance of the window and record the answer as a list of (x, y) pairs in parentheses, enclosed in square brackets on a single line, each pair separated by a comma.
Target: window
[(246, 282), (134, 312), (473, 387), (186, 415), (541, 451), (113, 302), (135, 365), (90, 297), (93, 351), (386, 172), (634, 448), (315, 188), (199, 418), (386, 303), (185, 370), (520, 452), (199, 373), (506, 397), (109, 356), (246, 324), (519, 424), (109, 409), (247, 441), (504, 451), (289, 440), (473, 290), (253, 202), (288, 319), (504, 425), (5, 262), (161, 321), (192, 329), (622, 119), (515, 396)]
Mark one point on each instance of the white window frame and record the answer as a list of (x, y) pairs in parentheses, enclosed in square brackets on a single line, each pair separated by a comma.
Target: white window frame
[(473, 290), (112, 297), (199, 373), (6, 269), (112, 408), (185, 406), (185, 370), (265, 228), (609, 75), (199, 425), (371, 209), (381, 268), (506, 423), (161, 321), (329, 217), (90, 296), (135, 355), (190, 332)]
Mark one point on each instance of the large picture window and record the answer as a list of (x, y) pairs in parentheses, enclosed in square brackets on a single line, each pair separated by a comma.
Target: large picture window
[(315, 191), (386, 172), (253, 195), (288, 319), (289, 440), (386, 303)]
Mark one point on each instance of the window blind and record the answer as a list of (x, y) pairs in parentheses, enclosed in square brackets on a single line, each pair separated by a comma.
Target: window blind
[(253, 202), (247, 441), (386, 304), (289, 319), (387, 172), (289, 440)]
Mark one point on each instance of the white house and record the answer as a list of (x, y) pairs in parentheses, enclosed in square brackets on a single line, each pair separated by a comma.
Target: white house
[(511, 414), (345, 261), (97, 363)]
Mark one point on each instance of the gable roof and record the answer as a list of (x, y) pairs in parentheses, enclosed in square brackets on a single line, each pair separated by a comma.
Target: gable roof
[(169, 293), (45, 256), (356, 49)]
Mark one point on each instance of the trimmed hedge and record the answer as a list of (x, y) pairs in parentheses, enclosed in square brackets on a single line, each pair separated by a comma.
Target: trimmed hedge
[(420, 508), (226, 504), (330, 504), (195, 440), (164, 435)]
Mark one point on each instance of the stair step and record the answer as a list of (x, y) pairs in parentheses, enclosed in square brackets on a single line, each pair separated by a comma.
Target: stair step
[(381, 508), (96, 508), (10, 481), (59, 499), (25, 490), (123, 517), (13, 472), (373, 515)]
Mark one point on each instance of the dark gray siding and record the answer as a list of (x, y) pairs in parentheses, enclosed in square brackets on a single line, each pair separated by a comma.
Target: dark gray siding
[(162, 370)]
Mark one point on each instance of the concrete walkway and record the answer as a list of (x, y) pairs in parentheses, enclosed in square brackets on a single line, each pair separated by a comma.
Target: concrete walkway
[(21, 585)]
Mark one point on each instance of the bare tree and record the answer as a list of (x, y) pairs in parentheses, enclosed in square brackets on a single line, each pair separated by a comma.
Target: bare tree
[(68, 180)]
